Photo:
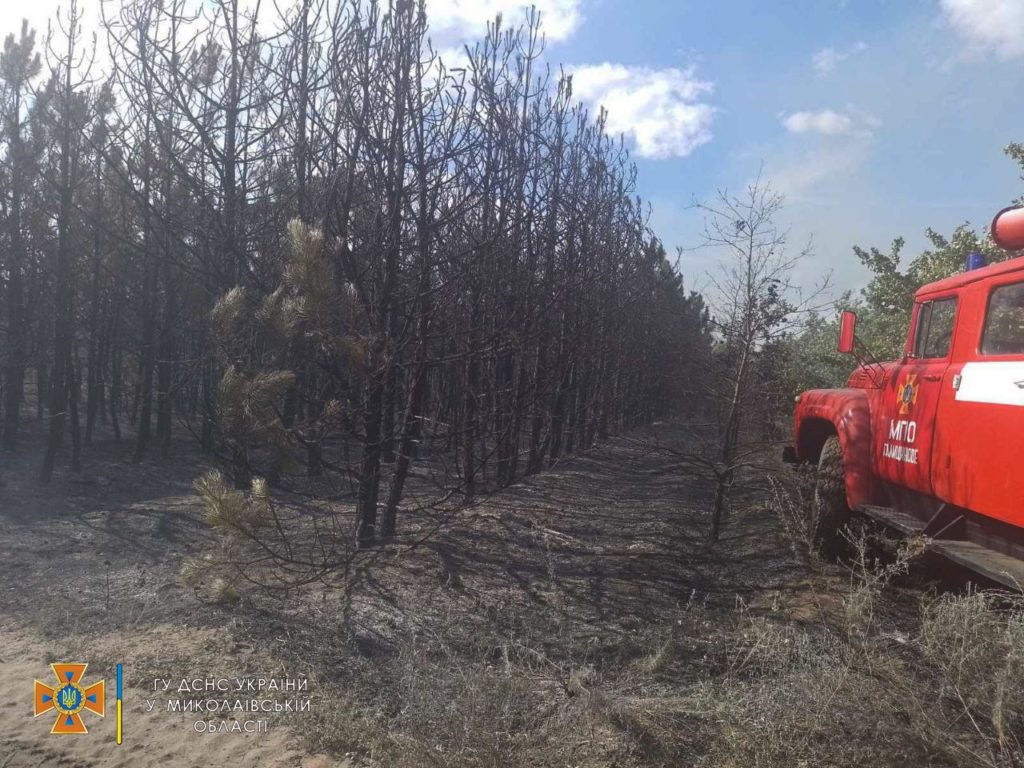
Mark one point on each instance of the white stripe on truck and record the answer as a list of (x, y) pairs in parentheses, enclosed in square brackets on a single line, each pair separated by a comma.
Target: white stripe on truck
[(999, 383)]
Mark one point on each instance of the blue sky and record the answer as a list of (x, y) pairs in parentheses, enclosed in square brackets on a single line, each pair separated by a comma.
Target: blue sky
[(876, 118)]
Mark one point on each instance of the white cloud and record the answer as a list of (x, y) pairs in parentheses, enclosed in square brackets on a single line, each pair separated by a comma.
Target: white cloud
[(808, 173), (988, 26), (824, 121), (467, 19), (827, 59), (828, 122), (659, 109)]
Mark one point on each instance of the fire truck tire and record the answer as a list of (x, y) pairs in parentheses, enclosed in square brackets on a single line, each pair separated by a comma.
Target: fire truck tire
[(830, 510)]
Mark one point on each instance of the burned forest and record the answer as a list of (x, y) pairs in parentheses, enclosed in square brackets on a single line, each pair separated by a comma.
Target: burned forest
[(378, 395), (322, 251)]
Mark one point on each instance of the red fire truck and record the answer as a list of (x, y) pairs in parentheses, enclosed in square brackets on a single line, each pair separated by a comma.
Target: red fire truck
[(933, 444)]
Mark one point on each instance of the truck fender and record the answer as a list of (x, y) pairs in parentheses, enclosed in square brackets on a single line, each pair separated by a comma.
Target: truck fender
[(846, 413)]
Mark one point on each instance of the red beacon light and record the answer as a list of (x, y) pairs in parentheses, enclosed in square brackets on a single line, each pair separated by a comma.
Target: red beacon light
[(1008, 228)]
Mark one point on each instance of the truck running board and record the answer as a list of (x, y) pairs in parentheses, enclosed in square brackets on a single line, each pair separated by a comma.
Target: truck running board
[(993, 565), (903, 522)]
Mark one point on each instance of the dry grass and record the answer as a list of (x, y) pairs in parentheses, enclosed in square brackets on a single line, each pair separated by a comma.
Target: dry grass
[(975, 643), (737, 689), (763, 693), (790, 501), (584, 634)]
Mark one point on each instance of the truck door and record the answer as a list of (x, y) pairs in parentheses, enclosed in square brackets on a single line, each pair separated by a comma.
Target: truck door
[(905, 424), (976, 462)]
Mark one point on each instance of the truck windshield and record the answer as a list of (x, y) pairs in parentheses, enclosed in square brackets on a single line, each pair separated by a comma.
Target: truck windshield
[(1004, 322), (935, 328)]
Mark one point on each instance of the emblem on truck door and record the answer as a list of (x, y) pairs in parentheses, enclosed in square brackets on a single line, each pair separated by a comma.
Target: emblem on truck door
[(907, 393)]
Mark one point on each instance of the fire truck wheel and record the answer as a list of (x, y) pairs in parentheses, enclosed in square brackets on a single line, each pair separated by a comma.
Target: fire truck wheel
[(830, 510)]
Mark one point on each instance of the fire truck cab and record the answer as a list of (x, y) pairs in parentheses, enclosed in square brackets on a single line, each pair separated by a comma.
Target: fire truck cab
[(932, 444)]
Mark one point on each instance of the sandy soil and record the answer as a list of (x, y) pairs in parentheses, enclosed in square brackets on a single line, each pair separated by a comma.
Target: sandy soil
[(150, 737), (89, 573)]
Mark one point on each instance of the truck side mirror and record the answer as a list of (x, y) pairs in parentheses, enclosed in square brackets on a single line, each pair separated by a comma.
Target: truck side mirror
[(847, 329), (1008, 228)]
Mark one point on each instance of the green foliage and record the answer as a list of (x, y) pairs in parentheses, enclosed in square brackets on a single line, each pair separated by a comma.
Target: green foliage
[(948, 257), (886, 305), (1015, 152), (810, 359), (883, 308)]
